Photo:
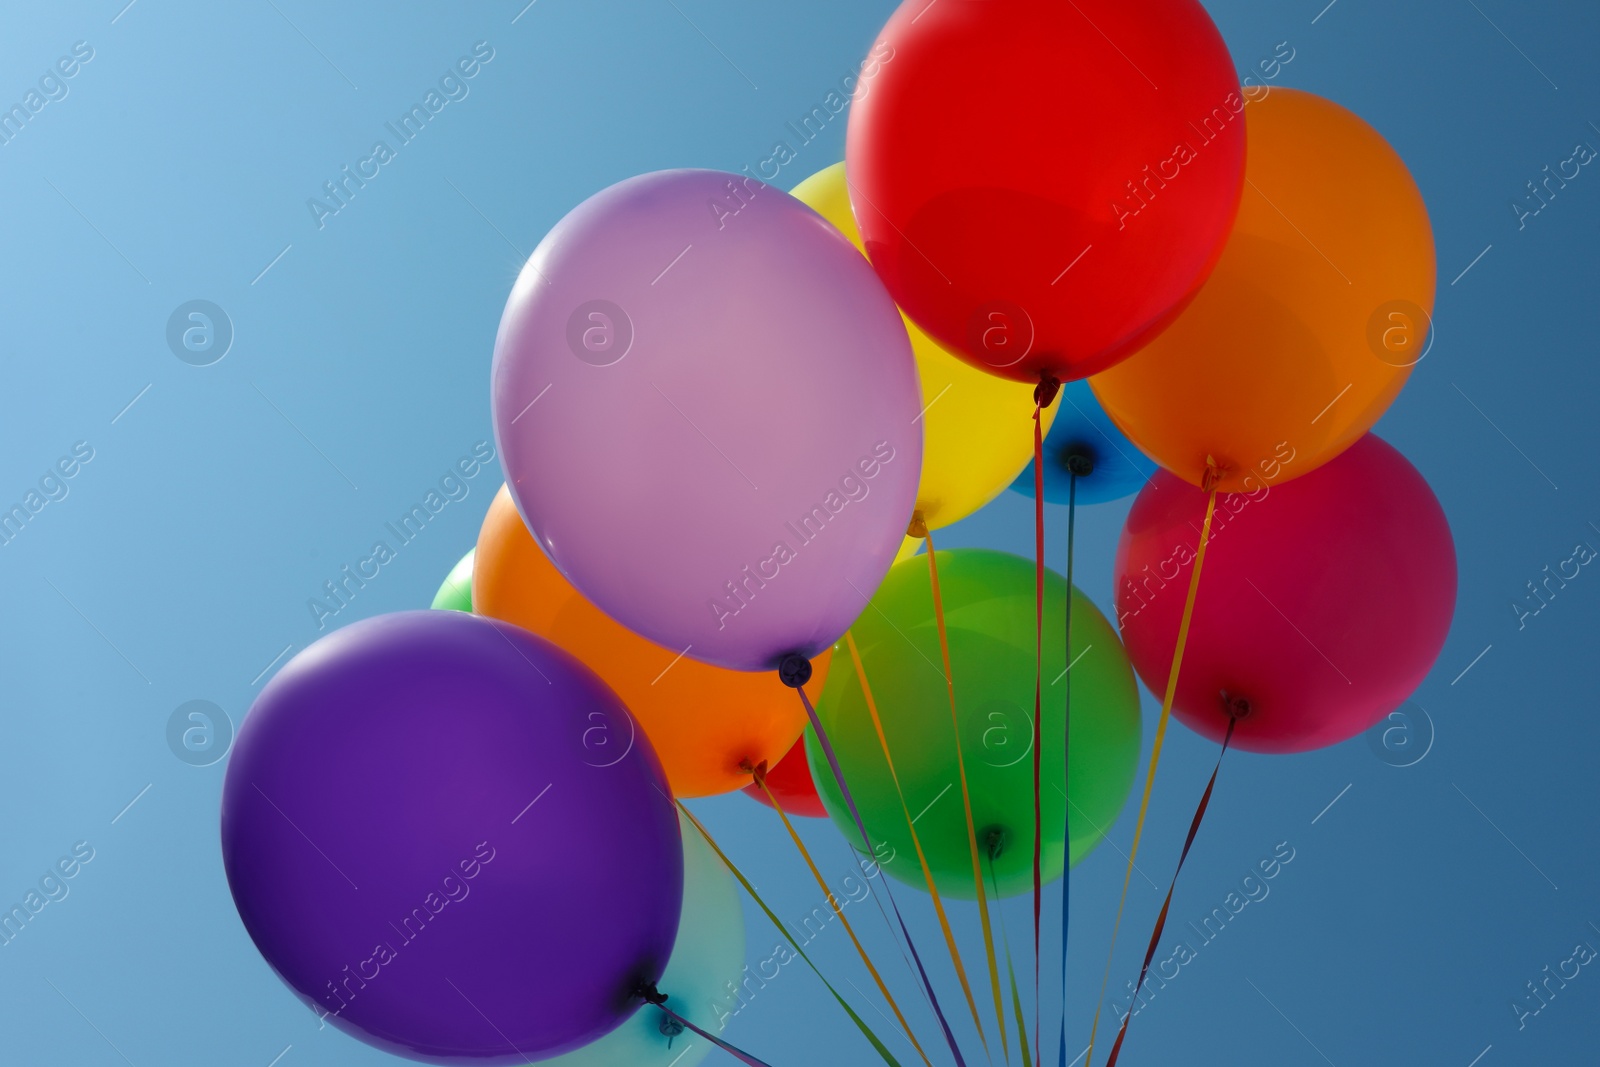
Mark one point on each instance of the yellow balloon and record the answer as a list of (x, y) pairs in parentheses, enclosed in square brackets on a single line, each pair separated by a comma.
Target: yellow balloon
[(908, 548), (977, 428)]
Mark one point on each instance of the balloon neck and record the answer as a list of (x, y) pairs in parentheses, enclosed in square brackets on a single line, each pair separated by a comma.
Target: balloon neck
[(669, 1027), (1213, 475), (758, 771), (1079, 463), (794, 670), (994, 841), (1235, 707), (1044, 394), (918, 527)]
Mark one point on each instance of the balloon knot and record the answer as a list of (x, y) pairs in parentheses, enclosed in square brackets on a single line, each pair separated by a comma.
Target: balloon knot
[(1044, 394), (758, 771), (1080, 463), (794, 670), (918, 527), (1236, 707), (1213, 475), (994, 840), (650, 994)]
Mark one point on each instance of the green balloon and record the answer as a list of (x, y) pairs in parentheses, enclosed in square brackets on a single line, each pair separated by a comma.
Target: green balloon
[(989, 617), (456, 592)]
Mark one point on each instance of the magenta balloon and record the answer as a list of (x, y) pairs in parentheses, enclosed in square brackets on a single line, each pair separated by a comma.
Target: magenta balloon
[(448, 837), (707, 407), (1323, 602)]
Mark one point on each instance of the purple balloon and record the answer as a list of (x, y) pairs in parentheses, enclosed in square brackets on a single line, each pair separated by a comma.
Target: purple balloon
[(446, 835), (707, 409)]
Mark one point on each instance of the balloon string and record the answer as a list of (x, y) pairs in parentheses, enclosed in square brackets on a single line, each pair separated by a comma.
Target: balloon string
[(1166, 905), (761, 780), (1066, 761), (1155, 752), (877, 900), (1038, 703), (660, 1001), (916, 842), (866, 1031), (966, 803), (861, 827), (1011, 971)]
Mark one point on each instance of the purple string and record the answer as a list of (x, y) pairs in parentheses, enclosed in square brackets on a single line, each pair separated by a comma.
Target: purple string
[(850, 802), (742, 1057)]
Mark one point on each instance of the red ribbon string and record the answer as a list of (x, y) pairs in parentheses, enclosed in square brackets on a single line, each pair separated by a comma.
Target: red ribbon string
[(1161, 920)]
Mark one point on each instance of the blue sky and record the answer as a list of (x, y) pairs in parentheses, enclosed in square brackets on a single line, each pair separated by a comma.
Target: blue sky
[(207, 504)]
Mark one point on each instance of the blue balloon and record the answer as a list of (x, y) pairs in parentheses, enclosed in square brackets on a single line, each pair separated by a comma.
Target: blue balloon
[(1082, 425)]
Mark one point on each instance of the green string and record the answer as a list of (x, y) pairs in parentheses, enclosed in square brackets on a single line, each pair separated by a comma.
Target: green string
[(1011, 972), (866, 1031)]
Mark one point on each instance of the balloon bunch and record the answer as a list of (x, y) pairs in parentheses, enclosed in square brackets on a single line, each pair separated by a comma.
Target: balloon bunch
[(731, 418)]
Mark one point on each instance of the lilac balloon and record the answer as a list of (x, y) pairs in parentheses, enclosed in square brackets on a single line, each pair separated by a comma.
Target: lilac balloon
[(707, 408), (446, 835)]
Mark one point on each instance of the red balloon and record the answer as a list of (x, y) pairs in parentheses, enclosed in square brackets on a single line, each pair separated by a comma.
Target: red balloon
[(1043, 185), (790, 781), (1323, 601)]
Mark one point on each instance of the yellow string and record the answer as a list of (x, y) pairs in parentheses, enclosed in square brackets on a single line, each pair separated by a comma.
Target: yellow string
[(966, 801), (916, 843), (1155, 751), (761, 780), (866, 1031)]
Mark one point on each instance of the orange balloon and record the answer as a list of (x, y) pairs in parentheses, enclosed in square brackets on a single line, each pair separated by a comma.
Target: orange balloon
[(1312, 319), (702, 721)]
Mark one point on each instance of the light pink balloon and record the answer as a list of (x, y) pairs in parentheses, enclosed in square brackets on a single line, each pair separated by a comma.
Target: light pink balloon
[(707, 410)]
